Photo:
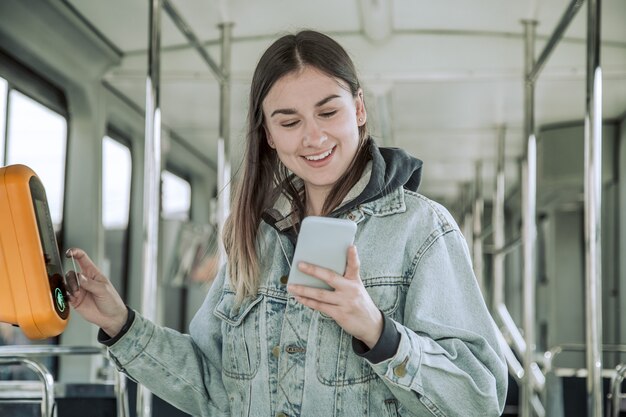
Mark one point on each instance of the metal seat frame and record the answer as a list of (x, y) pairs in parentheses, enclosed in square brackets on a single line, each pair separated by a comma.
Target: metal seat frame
[(26, 356)]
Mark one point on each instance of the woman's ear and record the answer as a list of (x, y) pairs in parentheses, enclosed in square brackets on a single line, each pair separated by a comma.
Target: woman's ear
[(361, 113), (270, 142)]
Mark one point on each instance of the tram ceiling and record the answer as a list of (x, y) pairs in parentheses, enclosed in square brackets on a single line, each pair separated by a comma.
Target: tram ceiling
[(446, 70)]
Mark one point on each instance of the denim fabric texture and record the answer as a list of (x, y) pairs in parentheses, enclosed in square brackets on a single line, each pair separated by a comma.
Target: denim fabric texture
[(271, 355)]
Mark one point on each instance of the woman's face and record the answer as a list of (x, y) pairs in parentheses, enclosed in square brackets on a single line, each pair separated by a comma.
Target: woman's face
[(312, 121)]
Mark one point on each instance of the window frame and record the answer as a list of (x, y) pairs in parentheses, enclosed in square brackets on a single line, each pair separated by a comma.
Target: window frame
[(32, 84)]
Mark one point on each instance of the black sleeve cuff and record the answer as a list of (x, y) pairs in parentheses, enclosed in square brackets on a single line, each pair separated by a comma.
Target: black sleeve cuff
[(107, 340), (385, 348)]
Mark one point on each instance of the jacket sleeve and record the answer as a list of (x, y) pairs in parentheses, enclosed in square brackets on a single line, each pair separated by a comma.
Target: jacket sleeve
[(173, 366), (448, 359)]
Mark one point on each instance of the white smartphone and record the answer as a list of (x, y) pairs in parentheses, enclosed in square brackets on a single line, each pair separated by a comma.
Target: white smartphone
[(323, 241)]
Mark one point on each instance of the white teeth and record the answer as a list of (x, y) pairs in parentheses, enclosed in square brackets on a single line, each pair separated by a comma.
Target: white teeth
[(320, 156)]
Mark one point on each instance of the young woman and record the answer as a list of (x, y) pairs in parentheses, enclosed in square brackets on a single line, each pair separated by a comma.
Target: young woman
[(405, 331)]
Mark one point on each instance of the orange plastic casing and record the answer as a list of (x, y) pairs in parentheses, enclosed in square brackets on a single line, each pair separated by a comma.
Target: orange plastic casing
[(26, 295)]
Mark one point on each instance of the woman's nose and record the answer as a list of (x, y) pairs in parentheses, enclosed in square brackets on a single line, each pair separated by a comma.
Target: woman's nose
[(313, 135)]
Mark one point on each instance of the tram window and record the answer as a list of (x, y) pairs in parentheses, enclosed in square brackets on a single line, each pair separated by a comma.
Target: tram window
[(116, 180), (175, 197), (3, 111), (116, 188), (37, 137)]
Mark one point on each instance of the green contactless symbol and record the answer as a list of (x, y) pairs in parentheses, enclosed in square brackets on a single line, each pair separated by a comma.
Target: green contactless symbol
[(58, 295)]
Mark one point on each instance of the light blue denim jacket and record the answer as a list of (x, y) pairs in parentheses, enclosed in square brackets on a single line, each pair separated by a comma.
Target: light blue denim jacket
[(271, 355)]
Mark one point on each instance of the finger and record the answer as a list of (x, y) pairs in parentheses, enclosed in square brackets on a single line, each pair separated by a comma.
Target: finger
[(76, 299), (91, 285), (88, 268), (318, 294), (82, 258), (353, 266), (71, 281), (327, 275), (327, 309)]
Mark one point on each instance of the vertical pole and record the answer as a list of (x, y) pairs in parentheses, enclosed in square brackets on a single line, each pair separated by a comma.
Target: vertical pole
[(152, 182), (383, 104), (477, 216), (468, 222), (498, 225), (223, 142), (529, 213), (593, 196)]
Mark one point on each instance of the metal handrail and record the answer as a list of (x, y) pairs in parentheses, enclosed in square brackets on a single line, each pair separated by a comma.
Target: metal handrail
[(537, 406), (553, 352), (517, 340), (477, 215), (517, 371), (504, 250), (593, 209), (537, 377), (44, 375), (617, 375), (616, 389), (563, 24), (30, 351), (515, 367), (193, 40), (565, 372), (22, 353), (121, 394)]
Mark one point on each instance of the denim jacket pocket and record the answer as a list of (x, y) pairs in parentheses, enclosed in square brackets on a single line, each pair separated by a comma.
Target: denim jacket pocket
[(337, 364), (386, 296), (241, 348), (391, 407)]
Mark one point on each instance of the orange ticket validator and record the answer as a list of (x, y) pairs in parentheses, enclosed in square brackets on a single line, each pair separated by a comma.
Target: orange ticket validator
[(32, 288)]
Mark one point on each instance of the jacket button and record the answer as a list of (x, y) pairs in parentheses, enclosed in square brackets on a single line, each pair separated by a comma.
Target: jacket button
[(400, 370), (284, 279), (276, 351), (351, 216), (295, 349)]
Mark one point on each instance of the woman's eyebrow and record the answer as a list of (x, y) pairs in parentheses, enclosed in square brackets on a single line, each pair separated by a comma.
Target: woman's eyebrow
[(293, 111), (283, 111), (326, 100)]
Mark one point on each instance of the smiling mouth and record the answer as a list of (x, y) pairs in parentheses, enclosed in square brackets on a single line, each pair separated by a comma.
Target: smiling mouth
[(320, 156)]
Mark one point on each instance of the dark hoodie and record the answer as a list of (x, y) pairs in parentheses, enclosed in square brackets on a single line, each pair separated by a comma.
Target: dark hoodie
[(391, 168)]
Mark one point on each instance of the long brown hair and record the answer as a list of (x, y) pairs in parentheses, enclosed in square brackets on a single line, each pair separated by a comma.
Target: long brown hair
[(263, 174)]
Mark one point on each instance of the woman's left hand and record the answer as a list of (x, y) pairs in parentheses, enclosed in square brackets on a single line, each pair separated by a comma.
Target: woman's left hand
[(349, 305)]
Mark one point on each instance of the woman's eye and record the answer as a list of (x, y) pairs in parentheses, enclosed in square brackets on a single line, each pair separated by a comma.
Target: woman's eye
[(328, 113), (290, 124)]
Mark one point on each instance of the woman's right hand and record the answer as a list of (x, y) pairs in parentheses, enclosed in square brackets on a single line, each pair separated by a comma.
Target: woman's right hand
[(96, 299)]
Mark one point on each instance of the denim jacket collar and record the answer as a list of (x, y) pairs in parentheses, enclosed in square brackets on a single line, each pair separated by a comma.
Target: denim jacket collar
[(282, 216)]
